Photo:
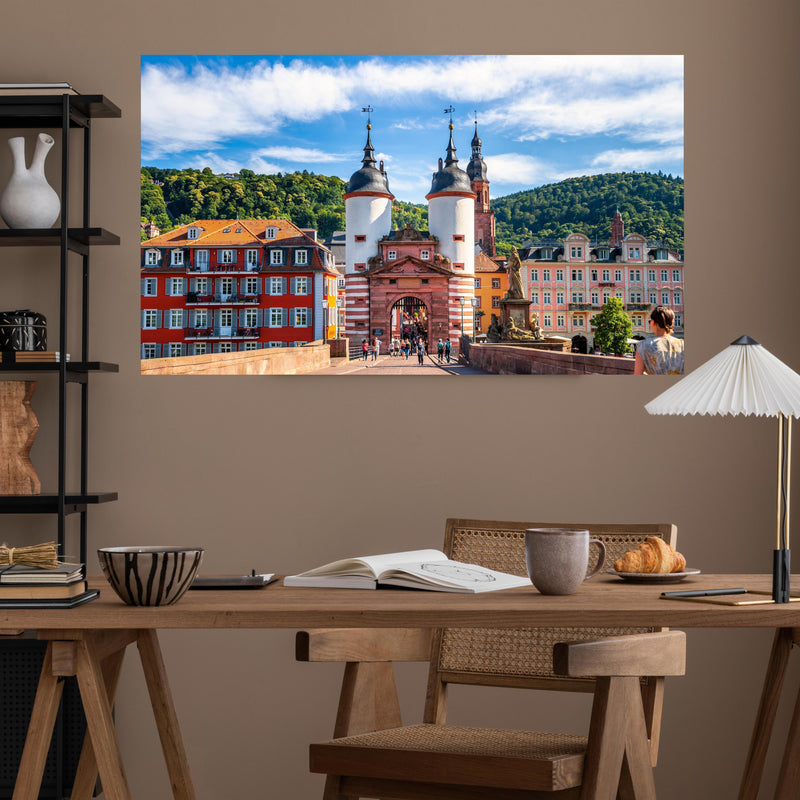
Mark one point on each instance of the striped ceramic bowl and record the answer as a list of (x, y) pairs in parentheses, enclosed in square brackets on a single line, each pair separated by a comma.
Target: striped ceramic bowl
[(150, 576)]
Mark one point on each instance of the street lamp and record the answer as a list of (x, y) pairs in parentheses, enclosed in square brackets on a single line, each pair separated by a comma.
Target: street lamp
[(324, 320), (474, 302), (461, 303)]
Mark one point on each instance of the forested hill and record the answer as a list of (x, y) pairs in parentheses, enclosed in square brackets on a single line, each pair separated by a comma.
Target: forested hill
[(650, 204)]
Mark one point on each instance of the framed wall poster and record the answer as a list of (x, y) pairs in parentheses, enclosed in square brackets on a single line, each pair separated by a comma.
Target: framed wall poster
[(381, 215)]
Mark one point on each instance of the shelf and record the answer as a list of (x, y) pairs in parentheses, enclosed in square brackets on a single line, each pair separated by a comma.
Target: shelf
[(48, 503), (78, 239), (42, 111), (76, 370)]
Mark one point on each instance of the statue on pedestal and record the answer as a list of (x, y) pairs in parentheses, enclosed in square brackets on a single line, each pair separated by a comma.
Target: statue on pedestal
[(516, 291)]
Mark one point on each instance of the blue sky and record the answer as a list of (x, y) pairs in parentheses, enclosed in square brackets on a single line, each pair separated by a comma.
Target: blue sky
[(541, 118)]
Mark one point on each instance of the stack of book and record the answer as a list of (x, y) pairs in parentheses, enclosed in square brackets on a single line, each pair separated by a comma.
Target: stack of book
[(32, 356), (34, 587)]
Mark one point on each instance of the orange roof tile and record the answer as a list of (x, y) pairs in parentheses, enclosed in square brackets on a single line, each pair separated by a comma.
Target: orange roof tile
[(233, 232), (485, 264)]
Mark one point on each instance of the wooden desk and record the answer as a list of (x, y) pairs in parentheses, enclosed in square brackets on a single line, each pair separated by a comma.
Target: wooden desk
[(89, 642)]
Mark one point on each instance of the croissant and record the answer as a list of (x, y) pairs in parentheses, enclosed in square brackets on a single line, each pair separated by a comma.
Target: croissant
[(653, 555)]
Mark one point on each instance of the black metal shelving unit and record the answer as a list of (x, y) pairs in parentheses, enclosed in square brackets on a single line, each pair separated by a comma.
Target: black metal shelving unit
[(68, 113)]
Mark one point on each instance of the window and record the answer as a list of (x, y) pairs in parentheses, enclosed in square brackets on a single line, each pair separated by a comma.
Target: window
[(391, 255), (458, 265), (249, 346), (577, 297), (276, 257), (251, 258), (618, 275), (224, 347), (595, 299), (495, 301), (458, 237), (634, 253), (225, 256), (495, 283), (276, 317), (577, 274), (651, 275), (199, 348), (425, 281), (606, 275), (149, 287), (665, 297), (578, 321), (201, 318), (201, 285), (276, 285), (149, 319), (606, 296), (177, 258), (576, 252), (270, 233), (192, 233), (653, 297), (679, 320), (661, 255), (174, 350), (545, 274), (175, 287), (250, 318), (302, 317), (676, 276), (477, 283), (149, 351), (300, 285), (360, 267), (301, 257), (534, 274), (251, 285), (677, 298), (361, 238), (602, 254), (477, 302), (535, 298), (175, 318), (546, 298), (636, 297), (546, 254), (664, 275), (635, 274), (424, 254), (547, 320), (594, 274), (559, 298), (201, 259), (151, 258), (225, 287), (618, 293)]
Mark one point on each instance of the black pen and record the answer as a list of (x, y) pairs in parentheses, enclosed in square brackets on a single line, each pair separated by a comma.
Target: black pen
[(703, 592)]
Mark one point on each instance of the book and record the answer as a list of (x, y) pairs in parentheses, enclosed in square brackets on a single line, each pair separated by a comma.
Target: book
[(33, 356), (233, 581), (17, 573), (416, 569), (56, 602), (41, 591)]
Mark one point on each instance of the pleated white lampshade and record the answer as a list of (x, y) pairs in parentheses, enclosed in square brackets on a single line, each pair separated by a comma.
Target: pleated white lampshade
[(742, 379)]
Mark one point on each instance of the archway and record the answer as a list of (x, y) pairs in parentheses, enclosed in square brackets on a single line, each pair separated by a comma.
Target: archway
[(409, 320), (579, 344)]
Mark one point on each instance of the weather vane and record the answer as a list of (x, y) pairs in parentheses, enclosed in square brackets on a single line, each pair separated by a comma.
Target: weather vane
[(450, 111), (368, 111)]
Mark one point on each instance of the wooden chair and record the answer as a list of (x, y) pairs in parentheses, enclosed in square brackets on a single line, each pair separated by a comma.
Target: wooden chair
[(373, 755)]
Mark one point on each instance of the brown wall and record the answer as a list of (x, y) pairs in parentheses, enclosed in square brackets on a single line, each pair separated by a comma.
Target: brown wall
[(220, 465)]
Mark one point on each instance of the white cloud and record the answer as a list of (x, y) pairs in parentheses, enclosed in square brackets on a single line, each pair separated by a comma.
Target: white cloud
[(515, 169), (303, 155), (187, 109), (635, 159)]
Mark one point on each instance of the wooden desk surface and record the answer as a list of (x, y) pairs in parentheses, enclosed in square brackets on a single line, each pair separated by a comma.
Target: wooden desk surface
[(602, 601)]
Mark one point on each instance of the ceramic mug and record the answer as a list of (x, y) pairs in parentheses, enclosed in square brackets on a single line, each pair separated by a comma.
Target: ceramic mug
[(557, 558)]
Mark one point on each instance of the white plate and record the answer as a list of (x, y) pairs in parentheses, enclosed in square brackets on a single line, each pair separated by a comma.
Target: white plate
[(654, 577)]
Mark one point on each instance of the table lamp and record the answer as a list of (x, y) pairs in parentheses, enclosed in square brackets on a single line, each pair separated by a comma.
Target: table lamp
[(746, 379)]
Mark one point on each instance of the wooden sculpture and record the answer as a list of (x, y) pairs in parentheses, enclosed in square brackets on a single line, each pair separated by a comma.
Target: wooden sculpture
[(18, 426)]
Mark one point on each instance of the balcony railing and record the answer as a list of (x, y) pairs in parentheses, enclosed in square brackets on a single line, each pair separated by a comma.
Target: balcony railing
[(192, 298), (579, 306), (638, 307), (217, 332), (224, 268)]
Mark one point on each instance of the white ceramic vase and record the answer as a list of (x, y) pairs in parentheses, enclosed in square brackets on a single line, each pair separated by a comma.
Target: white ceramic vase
[(28, 201)]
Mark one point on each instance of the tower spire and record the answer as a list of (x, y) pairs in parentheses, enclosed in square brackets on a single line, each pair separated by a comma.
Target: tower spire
[(451, 148), (369, 150)]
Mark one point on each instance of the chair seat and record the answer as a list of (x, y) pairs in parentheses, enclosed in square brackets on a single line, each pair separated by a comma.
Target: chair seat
[(453, 754)]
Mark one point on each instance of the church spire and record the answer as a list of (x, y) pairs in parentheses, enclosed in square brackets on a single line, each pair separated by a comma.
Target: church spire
[(451, 148), (369, 150)]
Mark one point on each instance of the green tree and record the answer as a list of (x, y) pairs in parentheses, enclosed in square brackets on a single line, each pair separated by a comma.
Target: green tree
[(613, 328)]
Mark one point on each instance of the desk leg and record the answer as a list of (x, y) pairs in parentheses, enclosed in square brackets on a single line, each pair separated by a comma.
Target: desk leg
[(765, 717), (789, 776), (100, 724), (166, 719), (40, 731), (86, 775)]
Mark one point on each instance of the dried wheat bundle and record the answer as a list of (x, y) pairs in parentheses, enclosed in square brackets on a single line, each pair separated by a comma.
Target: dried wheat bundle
[(37, 555)]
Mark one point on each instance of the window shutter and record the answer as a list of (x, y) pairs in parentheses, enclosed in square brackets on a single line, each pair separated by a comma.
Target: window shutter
[(284, 316), (293, 284), (293, 317)]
